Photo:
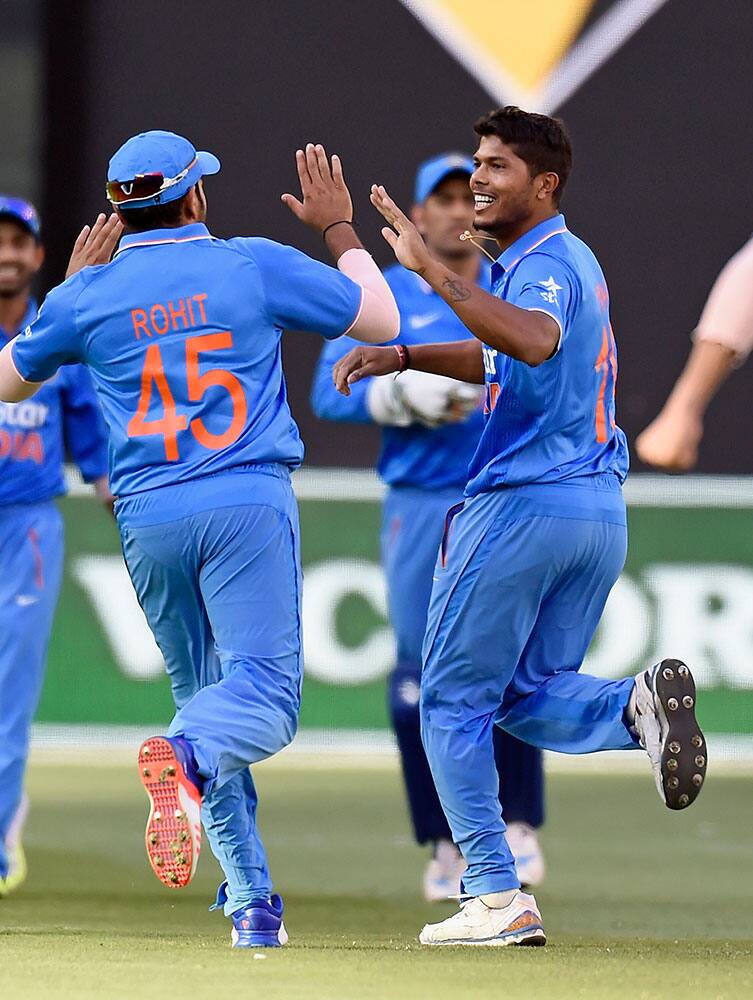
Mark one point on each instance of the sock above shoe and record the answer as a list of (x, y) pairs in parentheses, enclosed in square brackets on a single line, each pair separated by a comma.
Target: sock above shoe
[(499, 900)]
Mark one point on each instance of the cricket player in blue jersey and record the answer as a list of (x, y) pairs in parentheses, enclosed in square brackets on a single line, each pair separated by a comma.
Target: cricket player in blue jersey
[(34, 436), (529, 557), (181, 334), (431, 428)]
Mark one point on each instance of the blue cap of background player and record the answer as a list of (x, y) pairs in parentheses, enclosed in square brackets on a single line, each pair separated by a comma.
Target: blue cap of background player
[(21, 211), (155, 167), (432, 172)]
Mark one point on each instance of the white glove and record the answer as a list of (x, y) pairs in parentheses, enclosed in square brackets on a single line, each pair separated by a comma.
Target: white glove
[(421, 397), (385, 404)]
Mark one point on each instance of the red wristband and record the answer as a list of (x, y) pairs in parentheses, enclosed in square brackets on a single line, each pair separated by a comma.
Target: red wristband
[(403, 355)]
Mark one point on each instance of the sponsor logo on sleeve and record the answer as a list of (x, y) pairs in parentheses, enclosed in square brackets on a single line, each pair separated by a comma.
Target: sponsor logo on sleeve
[(550, 295)]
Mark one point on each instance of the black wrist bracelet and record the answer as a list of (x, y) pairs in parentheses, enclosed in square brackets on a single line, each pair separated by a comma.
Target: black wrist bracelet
[(340, 222)]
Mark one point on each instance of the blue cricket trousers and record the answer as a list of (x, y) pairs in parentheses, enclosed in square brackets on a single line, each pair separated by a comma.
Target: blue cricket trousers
[(412, 524), (520, 586), (221, 590), (31, 556)]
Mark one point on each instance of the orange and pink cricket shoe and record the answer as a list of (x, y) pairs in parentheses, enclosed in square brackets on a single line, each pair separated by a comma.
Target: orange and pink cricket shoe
[(168, 772)]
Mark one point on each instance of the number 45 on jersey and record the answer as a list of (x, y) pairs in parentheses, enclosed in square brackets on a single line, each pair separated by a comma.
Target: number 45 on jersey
[(172, 422)]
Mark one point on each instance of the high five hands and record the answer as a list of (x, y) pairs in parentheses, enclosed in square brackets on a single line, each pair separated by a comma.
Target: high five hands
[(405, 240), (326, 198)]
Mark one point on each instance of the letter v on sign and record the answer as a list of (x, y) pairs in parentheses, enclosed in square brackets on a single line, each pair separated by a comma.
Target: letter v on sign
[(535, 54)]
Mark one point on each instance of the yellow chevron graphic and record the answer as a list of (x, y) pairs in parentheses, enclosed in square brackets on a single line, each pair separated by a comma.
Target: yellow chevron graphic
[(526, 38)]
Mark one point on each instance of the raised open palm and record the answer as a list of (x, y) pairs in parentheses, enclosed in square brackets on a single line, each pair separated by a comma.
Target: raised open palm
[(403, 237)]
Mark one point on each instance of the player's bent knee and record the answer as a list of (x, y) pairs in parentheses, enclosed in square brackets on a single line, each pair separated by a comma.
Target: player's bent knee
[(285, 730), (437, 703)]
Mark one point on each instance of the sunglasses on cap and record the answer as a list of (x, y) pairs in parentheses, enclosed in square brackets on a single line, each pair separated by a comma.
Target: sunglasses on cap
[(143, 186)]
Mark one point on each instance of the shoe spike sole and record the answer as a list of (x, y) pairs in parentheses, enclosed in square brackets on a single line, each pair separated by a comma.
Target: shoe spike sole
[(169, 845), (684, 757)]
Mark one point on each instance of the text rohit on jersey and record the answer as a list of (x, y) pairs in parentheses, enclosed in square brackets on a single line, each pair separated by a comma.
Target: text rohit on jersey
[(159, 319)]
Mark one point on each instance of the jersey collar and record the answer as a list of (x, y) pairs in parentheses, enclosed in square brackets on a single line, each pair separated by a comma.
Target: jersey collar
[(155, 237), (529, 241)]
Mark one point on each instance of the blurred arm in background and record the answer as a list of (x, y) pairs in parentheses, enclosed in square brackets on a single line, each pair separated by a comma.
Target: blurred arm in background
[(326, 402), (85, 431), (723, 340), (414, 397)]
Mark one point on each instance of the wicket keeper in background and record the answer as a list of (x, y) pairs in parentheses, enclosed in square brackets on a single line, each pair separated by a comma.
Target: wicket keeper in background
[(181, 333), (529, 557), (34, 436), (432, 425)]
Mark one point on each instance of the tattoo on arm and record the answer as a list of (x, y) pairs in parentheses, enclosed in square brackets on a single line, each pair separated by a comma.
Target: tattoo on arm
[(456, 290)]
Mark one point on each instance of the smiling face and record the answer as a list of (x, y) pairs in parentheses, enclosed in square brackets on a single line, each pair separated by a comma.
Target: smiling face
[(507, 199), (446, 213), (20, 258)]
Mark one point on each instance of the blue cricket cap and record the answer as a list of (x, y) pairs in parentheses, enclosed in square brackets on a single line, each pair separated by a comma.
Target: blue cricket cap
[(21, 211), (431, 173), (135, 169)]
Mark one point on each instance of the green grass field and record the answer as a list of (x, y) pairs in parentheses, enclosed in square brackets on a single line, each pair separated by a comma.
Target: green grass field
[(638, 903)]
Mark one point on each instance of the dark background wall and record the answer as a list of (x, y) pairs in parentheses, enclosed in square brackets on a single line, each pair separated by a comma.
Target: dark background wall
[(20, 98), (660, 190)]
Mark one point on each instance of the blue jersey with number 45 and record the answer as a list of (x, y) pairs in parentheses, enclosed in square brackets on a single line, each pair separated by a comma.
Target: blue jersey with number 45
[(181, 333), (555, 421)]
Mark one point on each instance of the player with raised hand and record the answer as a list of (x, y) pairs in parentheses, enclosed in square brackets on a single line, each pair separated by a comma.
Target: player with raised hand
[(431, 426), (528, 559), (33, 441), (181, 333)]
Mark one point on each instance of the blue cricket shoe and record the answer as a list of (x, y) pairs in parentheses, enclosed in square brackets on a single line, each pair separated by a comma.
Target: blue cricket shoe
[(258, 924)]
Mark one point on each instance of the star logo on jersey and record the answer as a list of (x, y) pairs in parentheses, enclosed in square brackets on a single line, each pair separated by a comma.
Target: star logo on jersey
[(533, 55), (551, 286)]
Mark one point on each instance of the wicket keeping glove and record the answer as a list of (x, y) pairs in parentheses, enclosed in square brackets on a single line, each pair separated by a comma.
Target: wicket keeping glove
[(421, 397)]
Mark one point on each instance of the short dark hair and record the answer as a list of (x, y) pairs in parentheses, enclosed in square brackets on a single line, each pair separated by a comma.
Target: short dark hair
[(166, 216), (542, 142)]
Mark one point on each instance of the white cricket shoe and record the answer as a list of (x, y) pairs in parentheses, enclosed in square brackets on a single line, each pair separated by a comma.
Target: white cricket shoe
[(14, 850), (663, 703), (443, 873), (478, 923), (529, 860)]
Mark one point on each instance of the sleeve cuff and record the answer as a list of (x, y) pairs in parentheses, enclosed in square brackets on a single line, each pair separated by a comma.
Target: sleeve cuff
[(704, 335), (14, 365), (538, 309), (355, 318)]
